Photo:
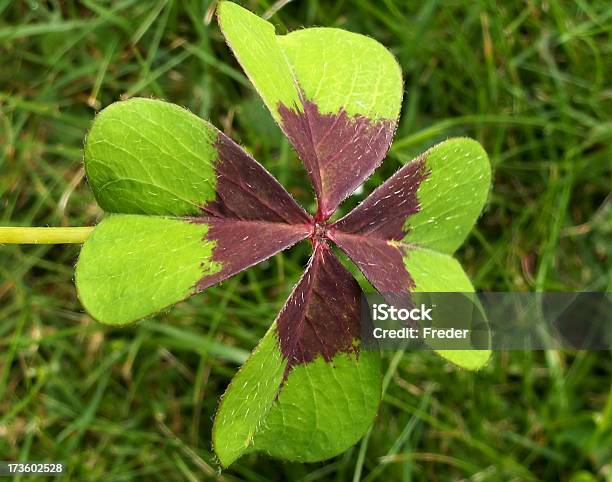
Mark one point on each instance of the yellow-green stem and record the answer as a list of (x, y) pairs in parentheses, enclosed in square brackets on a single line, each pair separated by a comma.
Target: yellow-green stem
[(19, 235)]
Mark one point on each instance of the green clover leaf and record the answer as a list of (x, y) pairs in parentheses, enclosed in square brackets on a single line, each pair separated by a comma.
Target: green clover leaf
[(187, 208)]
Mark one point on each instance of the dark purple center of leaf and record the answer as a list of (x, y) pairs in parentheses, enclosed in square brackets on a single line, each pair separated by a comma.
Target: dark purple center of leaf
[(253, 217), (322, 315), (246, 190), (339, 151), (371, 234)]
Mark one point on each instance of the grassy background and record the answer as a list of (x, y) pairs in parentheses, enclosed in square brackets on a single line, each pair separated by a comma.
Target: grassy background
[(529, 80)]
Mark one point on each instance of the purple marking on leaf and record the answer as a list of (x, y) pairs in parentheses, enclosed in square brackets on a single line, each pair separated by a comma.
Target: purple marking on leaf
[(369, 234), (322, 315), (381, 262), (246, 191), (241, 244), (339, 151), (383, 213), (252, 216)]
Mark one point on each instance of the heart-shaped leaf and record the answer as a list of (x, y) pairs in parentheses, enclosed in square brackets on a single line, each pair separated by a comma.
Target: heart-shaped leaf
[(307, 382), (200, 210), (336, 95), (402, 234)]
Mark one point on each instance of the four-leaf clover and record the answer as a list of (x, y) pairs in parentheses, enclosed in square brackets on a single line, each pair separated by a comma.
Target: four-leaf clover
[(187, 208)]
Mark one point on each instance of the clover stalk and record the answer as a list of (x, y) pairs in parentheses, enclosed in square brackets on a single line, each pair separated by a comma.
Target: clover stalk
[(46, 235)]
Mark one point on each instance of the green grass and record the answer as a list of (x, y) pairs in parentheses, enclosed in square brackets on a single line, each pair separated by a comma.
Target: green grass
[(530, 81)]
